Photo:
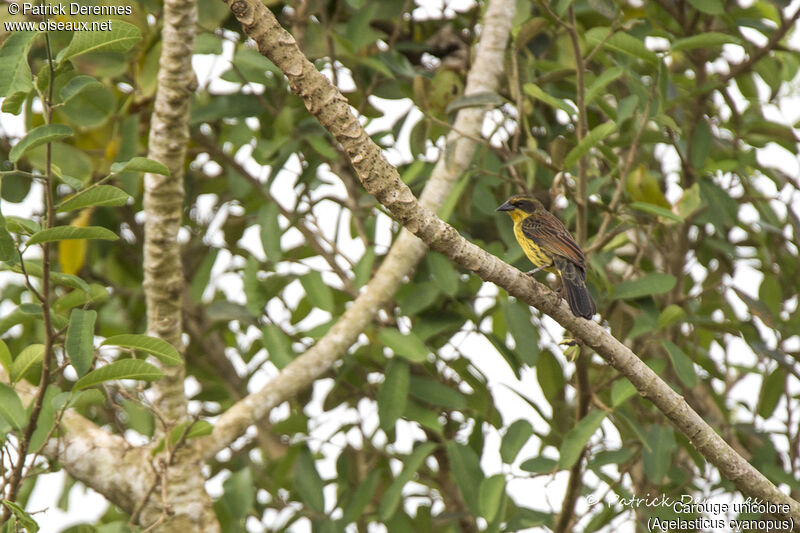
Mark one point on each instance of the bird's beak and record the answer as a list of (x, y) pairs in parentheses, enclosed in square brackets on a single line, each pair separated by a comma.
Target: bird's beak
[(505, 207)]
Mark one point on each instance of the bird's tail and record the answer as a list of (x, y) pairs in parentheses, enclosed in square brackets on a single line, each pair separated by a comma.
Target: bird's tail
[(574, 279)]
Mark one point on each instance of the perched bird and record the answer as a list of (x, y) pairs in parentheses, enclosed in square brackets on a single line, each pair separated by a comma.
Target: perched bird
[(548, 245)]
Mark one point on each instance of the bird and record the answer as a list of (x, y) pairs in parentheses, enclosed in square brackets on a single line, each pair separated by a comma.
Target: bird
[(549, 246)]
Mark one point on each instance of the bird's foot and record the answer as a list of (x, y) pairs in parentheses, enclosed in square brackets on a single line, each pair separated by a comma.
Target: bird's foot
[(535, 270)]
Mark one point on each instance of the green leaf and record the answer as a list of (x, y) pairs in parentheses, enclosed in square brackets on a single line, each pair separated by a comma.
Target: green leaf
[(577, 437), (21, 225), (95, 295), (656, 210), (681, 363), (184, 431), (321, 145), (657, 455), (535, 92), (415, 297), (318, 292), (255, 298), (119, 38), (704, 40), (124, 369), (626, 108), (606, 77), (361, 497), (709, 7), (770, 294), (550, 376), (53, 400), (643, 187), (671, 314), (655, 283), (32, 268), (607, 8), (363, 269), (424, 416), (405, 345), (539, 465), (91, 107), (436, 393), (76, 85), (270, 232), (5, 357), (393, 393), (612, 457), (560, 7), (65, 233), (161, 349), (16, 76), (592, 138), (454, 196), (139, 418), (278, 345), (239, 493), (24, 519), (38, 136), (690, 201), (443, 273), (100, 195), (701, 144), (621, 42), (203, 275), (307, 482), (8, 249), (491, 495), (515, 438), (26, 360), (392, 497), (11, 408), (772, 388), (526, 336), (13, 103), (80, 335), (485, 100), (621, 391), (140, 164), (466, 469)]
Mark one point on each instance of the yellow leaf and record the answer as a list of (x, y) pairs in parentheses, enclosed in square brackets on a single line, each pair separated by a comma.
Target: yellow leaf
[(72, 253), (111, 149), (641, 186)]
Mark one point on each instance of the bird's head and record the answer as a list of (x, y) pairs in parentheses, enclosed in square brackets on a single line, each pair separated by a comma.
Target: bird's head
[(520, 206)]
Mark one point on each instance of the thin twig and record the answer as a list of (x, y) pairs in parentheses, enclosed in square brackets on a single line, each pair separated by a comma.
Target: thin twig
[(17, 475)]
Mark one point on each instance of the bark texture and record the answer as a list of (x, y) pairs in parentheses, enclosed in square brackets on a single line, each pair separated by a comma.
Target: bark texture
[(381, 180), (180, 502)]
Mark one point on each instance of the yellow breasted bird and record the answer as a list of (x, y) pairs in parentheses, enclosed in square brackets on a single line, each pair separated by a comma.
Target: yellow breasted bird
[(548, 245)]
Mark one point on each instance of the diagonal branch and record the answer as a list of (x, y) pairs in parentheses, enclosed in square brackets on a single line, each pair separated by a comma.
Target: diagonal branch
[(101, 460), (484, 76), (382, 180), (756, 55)]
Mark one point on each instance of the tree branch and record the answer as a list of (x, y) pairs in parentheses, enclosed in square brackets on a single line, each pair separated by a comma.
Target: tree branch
[(105, 462), (184, 503), (756, 55), (382, 180), (407, 251)]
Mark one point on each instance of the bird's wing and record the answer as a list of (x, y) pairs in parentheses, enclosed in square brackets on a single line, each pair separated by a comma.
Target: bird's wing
[(550, 234)]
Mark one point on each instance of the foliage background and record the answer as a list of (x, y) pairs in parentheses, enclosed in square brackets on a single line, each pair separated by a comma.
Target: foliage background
[(685, 109)]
